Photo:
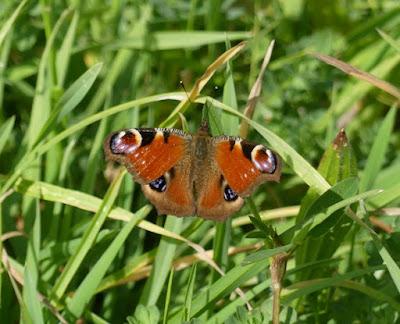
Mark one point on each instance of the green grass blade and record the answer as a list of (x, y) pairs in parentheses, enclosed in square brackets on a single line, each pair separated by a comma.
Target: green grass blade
[(392, 42), (265, 254), (88, 238), (170, 40), (31, 272), (41, 105), (189, 293), (5, 29), (5, 131), (390, 264), (168, 296), (162, 263), (223, 286), (87, 288), (64, 53), (71, 98), (310, 286), (379, 148)]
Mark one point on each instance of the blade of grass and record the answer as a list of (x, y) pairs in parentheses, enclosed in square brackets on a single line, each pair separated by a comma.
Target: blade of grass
[(189, 293), (168, 296), (5, 29), (41, 102), (88, 238), (379, 148), (170, 40), (70, 99), (162, 264), (4, 57), (223, 286), (87, 289), (64, 53), (392, 42), (304, 288), (31, 272), (361, 75), (5, 131)]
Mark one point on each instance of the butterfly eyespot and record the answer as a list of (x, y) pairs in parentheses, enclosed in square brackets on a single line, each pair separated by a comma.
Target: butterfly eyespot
[(160, 184), (124, 141), (264, 160), (229, 194)]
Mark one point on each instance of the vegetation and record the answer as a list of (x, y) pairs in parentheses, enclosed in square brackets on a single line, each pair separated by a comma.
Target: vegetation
[(79, 240)]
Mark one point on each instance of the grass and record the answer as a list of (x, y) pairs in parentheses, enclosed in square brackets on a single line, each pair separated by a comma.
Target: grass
[(79, 240)]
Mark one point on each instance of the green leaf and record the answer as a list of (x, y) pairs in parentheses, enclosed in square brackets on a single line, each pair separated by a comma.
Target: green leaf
[(144, 315)]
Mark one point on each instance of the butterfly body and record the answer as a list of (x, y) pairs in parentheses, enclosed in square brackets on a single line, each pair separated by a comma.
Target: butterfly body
[(183, 174)]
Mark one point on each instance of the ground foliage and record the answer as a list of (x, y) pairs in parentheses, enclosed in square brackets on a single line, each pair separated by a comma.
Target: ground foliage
[(73, 71)]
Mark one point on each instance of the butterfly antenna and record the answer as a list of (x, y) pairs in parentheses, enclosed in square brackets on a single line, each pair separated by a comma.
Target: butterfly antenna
[(184, 89)]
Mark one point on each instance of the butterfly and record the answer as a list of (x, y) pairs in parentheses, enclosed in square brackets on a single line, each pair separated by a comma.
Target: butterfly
[(183, 174)]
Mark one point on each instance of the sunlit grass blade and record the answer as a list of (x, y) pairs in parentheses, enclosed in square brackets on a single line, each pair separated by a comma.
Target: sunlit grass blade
[(351, 70), (379, 148), (169, 40), (88, 238), (86, 290)]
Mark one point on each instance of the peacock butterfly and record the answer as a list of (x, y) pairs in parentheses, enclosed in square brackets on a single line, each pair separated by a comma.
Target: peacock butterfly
[(183, 174)]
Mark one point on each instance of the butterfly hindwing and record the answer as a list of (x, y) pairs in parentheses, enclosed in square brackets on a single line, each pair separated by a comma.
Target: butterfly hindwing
[(245, 165)]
